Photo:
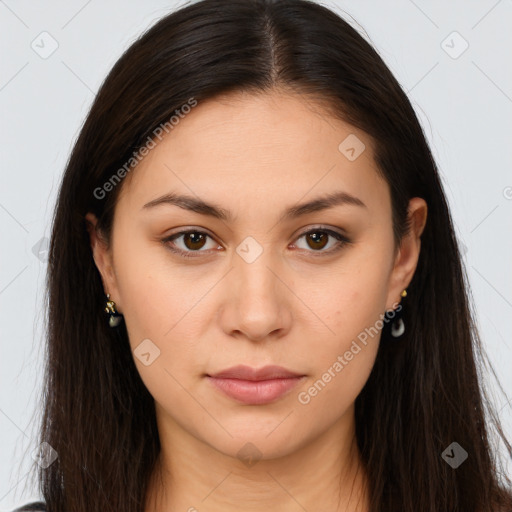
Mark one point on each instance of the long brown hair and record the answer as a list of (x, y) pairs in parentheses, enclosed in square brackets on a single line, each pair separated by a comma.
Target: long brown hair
[(425, 391)]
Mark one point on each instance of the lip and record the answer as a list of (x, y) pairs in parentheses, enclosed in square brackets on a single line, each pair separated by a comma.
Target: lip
[(255, 386), (244, 372)]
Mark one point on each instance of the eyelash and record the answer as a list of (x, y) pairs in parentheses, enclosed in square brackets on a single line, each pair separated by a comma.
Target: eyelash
[(342, 242)]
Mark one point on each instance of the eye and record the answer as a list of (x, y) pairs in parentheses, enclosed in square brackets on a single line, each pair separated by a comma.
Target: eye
[(318, 239), (192, 241)]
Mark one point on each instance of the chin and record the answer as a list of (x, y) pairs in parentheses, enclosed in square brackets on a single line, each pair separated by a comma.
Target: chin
[(250, 443)]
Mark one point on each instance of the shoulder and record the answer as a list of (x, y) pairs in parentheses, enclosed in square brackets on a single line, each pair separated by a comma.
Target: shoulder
[(38, 506)]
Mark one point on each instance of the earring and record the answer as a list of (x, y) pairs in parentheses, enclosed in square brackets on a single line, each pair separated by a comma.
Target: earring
[(398, 326), (115, 318)]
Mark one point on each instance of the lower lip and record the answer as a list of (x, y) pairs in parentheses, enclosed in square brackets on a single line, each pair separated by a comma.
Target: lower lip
[(255, 392)]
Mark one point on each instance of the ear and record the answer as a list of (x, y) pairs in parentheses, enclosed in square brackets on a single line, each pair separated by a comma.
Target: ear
[(408, 254), (102, 258)]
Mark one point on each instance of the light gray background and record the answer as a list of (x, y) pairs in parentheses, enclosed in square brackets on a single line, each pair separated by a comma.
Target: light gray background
[(464, 101)]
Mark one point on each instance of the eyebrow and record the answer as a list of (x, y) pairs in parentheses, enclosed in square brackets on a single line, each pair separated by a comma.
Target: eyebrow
[(202, 207)]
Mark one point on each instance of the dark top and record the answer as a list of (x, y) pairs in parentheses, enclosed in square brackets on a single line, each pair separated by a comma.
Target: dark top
[(38, 506)]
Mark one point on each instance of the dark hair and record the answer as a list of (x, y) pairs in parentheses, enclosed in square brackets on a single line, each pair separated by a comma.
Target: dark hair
[(424, 391)]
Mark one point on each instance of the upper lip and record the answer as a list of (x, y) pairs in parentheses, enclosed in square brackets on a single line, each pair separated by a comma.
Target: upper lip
[(243, 372)]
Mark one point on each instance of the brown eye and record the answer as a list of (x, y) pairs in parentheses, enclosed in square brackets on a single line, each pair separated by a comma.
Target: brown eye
[(186, 243), (194, 240), (318, 239)]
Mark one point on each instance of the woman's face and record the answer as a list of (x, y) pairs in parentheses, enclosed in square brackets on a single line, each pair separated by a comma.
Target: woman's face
[(259, 279)]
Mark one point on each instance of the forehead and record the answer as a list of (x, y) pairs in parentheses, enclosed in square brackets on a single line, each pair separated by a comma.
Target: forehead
[(272, 145)]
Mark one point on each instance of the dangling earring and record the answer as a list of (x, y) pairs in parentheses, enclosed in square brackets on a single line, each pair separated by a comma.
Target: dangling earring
[(398, 326), (114, 317)]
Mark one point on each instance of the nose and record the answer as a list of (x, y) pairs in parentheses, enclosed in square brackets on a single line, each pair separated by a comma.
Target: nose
[(256, 301)]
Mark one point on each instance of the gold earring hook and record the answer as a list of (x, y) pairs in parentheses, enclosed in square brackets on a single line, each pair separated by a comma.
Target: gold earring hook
[(111, 305)]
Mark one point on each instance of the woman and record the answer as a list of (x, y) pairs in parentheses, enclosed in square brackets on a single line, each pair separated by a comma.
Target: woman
[(256, 297)]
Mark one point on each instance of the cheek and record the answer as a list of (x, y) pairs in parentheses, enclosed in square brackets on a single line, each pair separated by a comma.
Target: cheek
[(352, 308), (164, 316), (352, 302), (342, 363), (151, 289), (349, 352)]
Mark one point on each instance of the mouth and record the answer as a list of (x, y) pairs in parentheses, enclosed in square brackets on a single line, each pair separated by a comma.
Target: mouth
[(255, 386)]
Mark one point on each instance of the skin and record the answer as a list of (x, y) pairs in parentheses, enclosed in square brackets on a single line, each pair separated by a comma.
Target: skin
[(256, 155)]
